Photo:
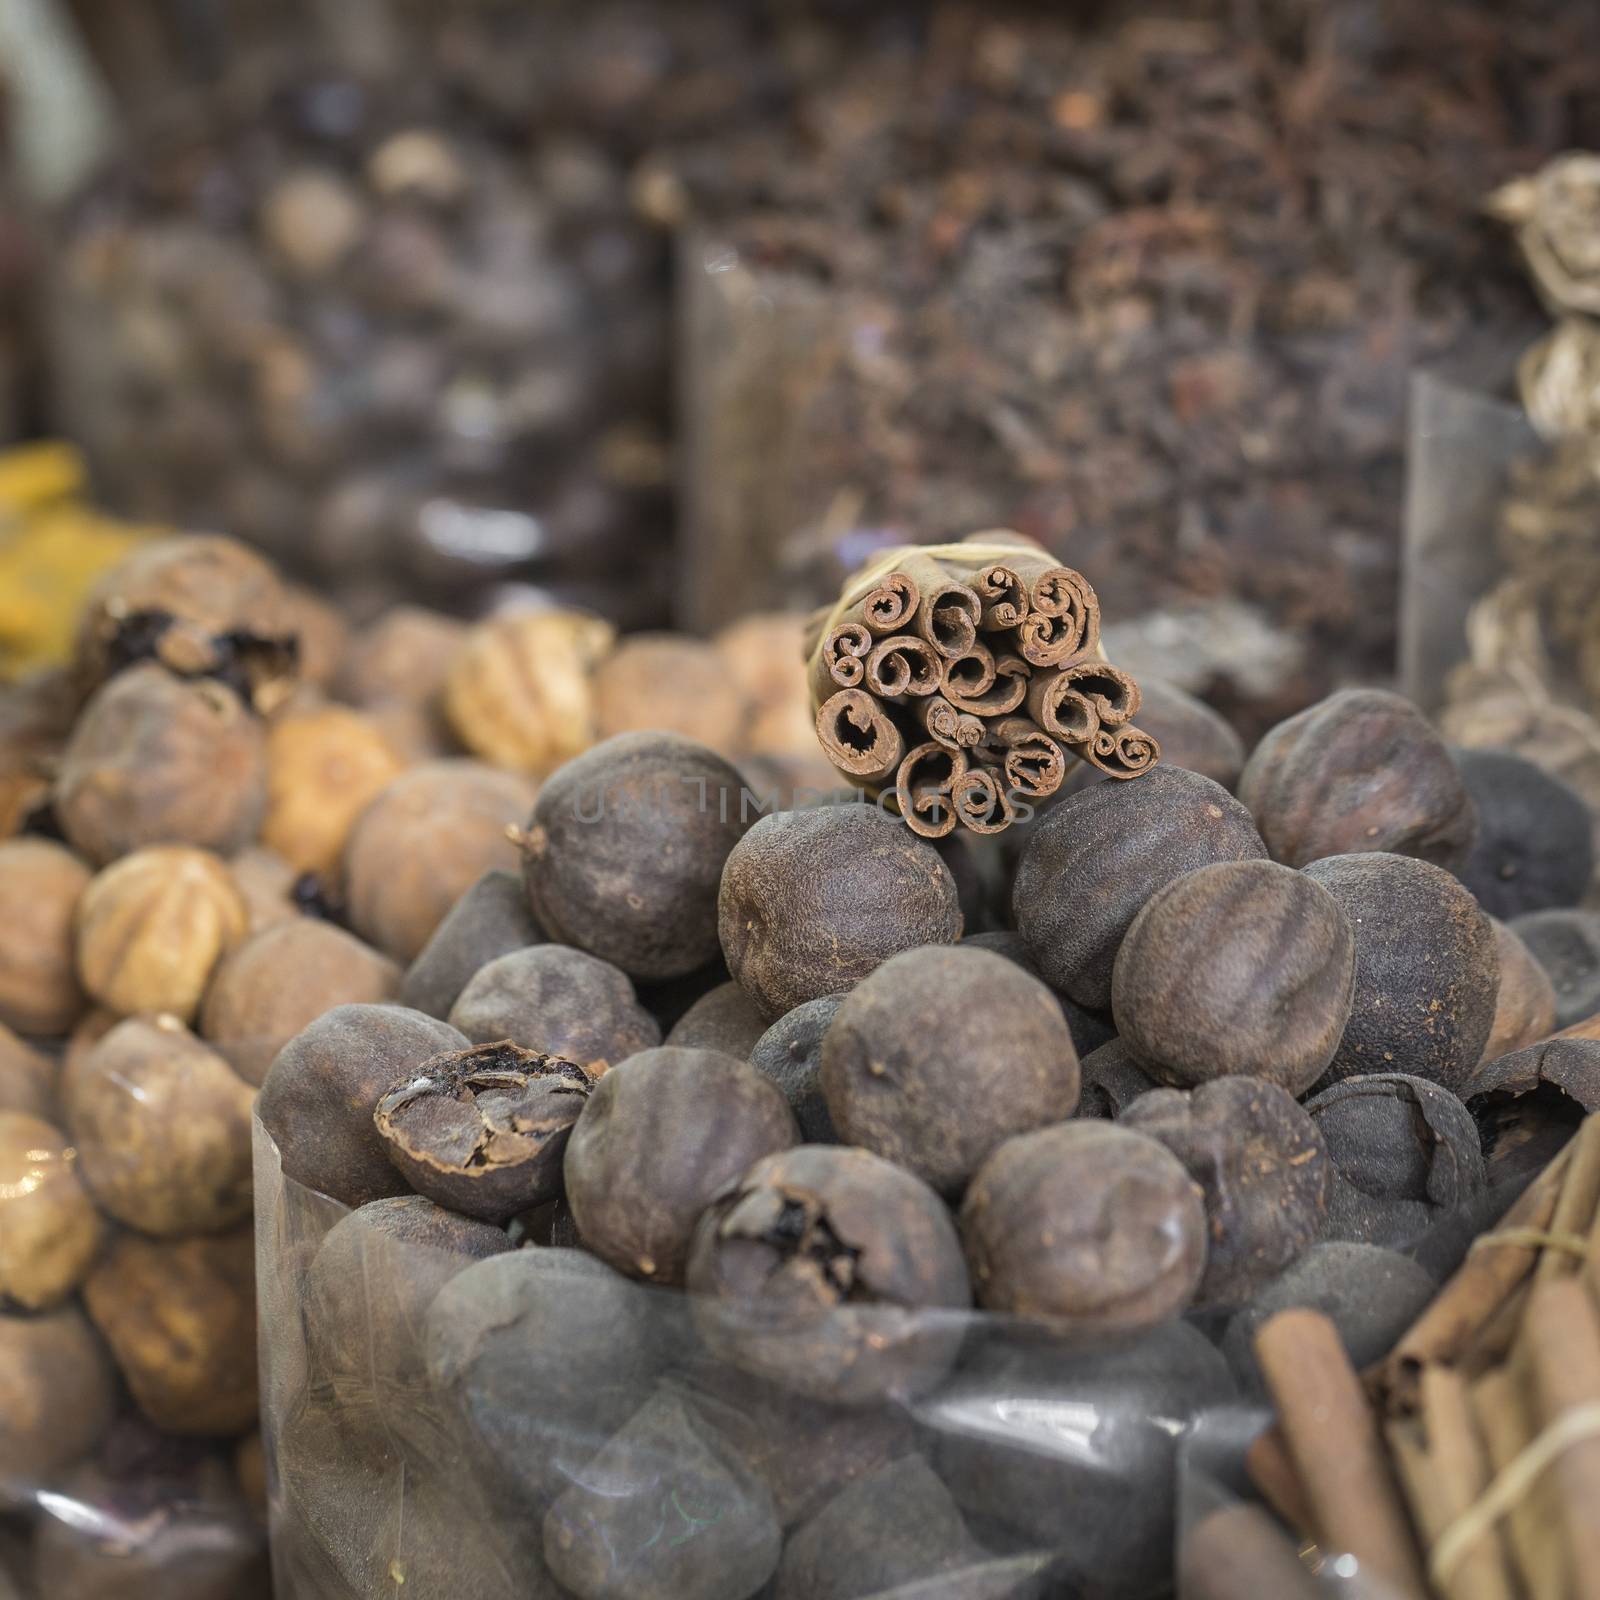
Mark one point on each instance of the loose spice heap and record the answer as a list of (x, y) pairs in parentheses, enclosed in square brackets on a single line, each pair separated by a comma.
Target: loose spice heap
[(961, 676)]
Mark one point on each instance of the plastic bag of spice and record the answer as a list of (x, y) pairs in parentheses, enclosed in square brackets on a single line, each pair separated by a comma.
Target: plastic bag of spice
[(444, 1409), (372, 323)]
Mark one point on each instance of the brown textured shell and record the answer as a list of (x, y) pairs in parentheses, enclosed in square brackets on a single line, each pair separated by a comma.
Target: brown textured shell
[(319, 1095), (561, 1001), (483, 1131), (324, 766), (195, 600), (162, 1126), (626, 849), (1094, 860), (812, 901), (942, 1054), (1262, 1167), (157, 759), (676, 684), (1085, 1225), (422, 843), (1525, 1004), (520, 691), (27, 1077), (802, 1271), (50, 1231), (660, 1136), (1361, 770), (152, 927), (180, 1318), (40, 886), (58, 1393), (283, 978), (1426, 969), (1241, 968)]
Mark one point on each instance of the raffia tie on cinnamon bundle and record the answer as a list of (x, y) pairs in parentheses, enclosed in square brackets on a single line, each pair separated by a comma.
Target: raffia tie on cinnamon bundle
[(1467, 1464), (961, 677)]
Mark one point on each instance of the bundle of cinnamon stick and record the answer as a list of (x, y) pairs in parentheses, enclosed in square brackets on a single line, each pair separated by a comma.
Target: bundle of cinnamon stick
[(961, 677), (1466, 1465)]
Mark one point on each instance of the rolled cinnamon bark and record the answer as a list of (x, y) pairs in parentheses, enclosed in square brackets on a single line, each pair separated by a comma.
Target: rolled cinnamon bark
[(1082, 694), (948, 611), (969, 676), (891, 605), (1483, 1283), (859, 737), (1562, 1333), (1003, 595), (1121, 752), (845, 653), (900, 665), (1277, 1480), (1445, 1468), (955, 730), (1333, 1440), (1574, 1213), (1240, 1551), (1033, 763), (1002, 697), (922, 789), (980, 802), (1063, 612), (1506, 1424)]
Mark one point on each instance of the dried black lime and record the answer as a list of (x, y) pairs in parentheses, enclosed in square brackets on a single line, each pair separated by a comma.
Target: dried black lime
[(491, 919), (812, 901), (1090, 865), (1262, 1167), (660, 1137), (483, 1131), (1535, 845), (941, 1055), (804, 1270)]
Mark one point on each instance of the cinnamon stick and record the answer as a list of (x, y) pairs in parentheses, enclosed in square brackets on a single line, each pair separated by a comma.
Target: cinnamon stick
[(1507, 1429), (1574, 1212), (1333, 1440), (1002, 594), (843, 662), (900, 665), (1445, 1469), (1121, 752), (890, 606), (859, 737), (1001, 698), (948, 611), (1107, 691), (1241, 1552), (980, 802), (1277, 1481), (968, 676), (1032, 761), (1469, 1301), (1562, 1332), (922, 789), (955, 730)]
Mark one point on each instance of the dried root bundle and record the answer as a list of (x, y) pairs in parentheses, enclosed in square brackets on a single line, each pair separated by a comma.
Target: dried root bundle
[(959, 679)]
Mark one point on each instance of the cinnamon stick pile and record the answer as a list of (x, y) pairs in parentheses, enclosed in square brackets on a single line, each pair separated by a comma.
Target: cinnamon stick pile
[(1467, 1465), (961, 677)]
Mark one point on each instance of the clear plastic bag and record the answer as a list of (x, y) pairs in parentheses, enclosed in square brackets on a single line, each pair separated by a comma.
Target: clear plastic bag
[(429, 1440), (351, 316)]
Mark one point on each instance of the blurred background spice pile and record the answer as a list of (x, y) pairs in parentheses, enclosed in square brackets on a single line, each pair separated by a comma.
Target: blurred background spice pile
[(1142, 285)]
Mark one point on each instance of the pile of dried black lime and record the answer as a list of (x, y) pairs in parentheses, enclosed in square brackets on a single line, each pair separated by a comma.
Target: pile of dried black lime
[(741, 1200)]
